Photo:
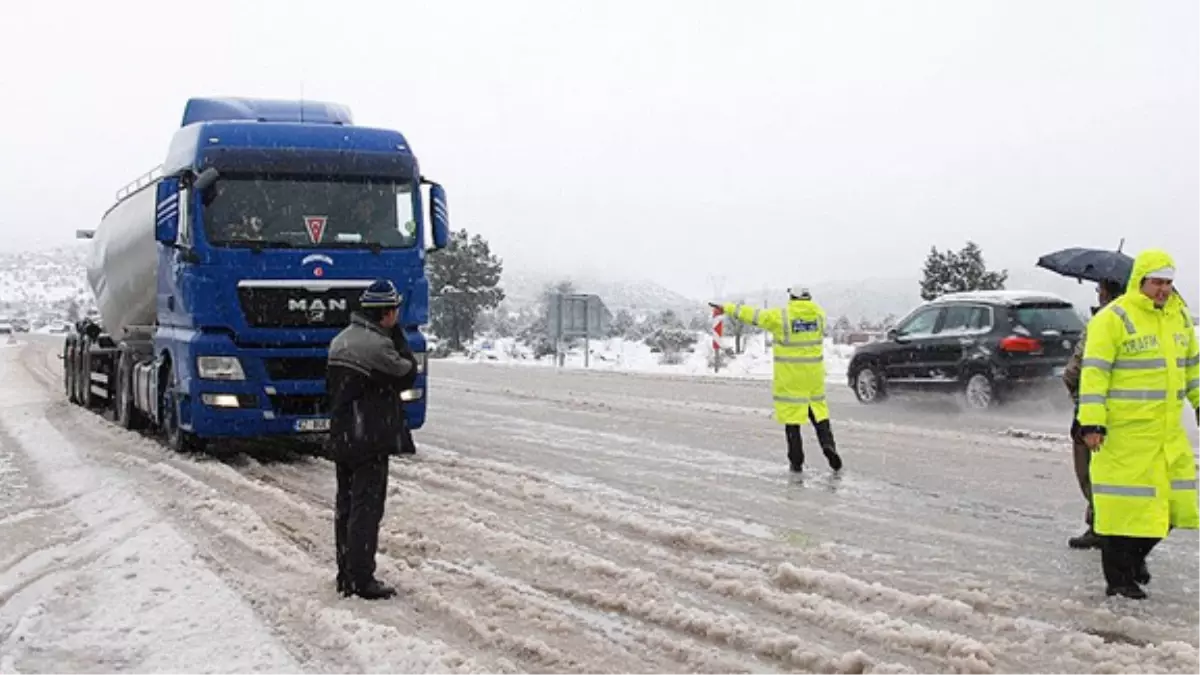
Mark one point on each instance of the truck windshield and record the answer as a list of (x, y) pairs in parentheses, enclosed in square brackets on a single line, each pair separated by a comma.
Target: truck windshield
[(310, 212)]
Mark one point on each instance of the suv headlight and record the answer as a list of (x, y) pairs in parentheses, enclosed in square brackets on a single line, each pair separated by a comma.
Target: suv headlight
[(220, 368)]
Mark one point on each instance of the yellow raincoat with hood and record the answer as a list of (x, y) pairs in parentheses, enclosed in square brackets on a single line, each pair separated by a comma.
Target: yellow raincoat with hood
[(798, 384), (1139, 364)]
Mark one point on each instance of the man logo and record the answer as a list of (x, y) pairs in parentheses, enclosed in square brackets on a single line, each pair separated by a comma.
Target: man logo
[(316, 308)]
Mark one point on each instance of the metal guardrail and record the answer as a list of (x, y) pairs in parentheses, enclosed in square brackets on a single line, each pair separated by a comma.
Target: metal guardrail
[(140, 182)]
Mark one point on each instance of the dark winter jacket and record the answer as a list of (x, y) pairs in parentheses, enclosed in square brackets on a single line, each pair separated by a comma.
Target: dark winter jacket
[(365, 376)]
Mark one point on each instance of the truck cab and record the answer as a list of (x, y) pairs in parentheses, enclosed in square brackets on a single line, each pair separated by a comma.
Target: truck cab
[(269, 219)]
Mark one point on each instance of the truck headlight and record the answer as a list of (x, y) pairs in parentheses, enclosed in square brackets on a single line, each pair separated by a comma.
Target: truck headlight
[(410, 395), (219, 368)]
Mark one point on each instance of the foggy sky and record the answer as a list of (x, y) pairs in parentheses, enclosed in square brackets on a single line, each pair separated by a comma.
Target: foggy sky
[(763, 142)]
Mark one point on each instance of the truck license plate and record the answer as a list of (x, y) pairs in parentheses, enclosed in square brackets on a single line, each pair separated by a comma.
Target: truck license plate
[(319, 424)]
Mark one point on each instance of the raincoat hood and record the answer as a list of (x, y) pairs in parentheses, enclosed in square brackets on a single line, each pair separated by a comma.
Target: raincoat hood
[(1148, 261)]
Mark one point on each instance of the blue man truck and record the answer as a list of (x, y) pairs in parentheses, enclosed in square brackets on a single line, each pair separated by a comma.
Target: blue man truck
[(222, 276)]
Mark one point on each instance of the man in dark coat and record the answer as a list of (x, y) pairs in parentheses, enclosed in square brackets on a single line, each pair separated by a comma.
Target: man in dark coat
[(1106, 292), (365, 376)]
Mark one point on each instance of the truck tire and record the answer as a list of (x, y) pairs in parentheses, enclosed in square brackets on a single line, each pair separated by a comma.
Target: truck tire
[(176, 439), (125, 412), (66, 368), (90, 400)]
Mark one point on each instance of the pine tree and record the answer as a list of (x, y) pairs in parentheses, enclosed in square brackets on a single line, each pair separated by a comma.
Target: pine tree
[(958, 271), (464, 280)]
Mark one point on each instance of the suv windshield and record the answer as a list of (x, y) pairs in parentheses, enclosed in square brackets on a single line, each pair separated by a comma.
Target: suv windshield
[(1038, 319), (309, 212)]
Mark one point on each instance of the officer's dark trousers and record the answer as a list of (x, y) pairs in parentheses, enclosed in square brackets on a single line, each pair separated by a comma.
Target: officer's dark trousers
[(1122, 557), (796, 441), (361, 492), (1082, 460)]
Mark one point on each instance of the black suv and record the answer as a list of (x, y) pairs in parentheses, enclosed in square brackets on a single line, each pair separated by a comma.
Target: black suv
[(983, 345)]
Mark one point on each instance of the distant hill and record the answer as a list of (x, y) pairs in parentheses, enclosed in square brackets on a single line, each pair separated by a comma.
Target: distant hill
[(43, 284)]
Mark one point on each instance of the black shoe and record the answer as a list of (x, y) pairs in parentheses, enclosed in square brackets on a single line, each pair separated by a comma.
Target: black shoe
[(797, 468), (1086, 540), (342, 586), (1132, 592), (371, 590), (1142, 575), (835, 460)]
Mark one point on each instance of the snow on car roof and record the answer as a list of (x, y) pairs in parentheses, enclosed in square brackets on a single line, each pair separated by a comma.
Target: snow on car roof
[(1006, 297)]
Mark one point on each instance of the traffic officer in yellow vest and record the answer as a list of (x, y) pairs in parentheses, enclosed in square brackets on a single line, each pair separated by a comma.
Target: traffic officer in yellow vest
[(1140, 362), (799, 369)]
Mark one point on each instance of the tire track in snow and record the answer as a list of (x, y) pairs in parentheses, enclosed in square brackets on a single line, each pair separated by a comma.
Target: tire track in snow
[(746, 580), (598, 453)]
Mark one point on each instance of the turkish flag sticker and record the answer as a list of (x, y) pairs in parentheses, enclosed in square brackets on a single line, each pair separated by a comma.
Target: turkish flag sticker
[(316, 227)]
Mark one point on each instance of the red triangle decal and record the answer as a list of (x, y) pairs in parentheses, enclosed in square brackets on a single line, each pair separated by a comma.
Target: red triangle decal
[(316, 227)]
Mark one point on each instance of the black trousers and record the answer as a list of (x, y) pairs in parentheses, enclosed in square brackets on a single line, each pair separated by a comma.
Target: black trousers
[(1082, 456), (796, 441), (1123, 557), (361, 493)]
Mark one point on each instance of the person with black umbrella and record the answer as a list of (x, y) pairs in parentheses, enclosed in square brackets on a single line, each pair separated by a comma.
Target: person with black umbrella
[(1110, 271), (1106, 292)]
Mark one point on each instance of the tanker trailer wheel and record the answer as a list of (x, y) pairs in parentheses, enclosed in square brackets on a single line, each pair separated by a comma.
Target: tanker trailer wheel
[(89, 399), (66, 367), (71, 373)]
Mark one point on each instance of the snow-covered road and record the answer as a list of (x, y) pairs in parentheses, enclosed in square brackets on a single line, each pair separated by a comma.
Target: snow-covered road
[(566, 521)]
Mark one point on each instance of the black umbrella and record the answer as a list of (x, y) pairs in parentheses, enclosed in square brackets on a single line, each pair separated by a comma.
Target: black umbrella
[(1089, 264)]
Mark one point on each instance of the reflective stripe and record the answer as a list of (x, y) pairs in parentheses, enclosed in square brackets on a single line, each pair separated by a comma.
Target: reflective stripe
[(1119, 311), (1143, 364), (1193, 384), (754, 319), (786, 328), (1184, 363), (1138, 394), (1123, 490), (798, 359), (791, 399), (1125, 364), (1181, 394), (807, 343), (1129, 395), (737, 310), (819, 399), (1183, 484)]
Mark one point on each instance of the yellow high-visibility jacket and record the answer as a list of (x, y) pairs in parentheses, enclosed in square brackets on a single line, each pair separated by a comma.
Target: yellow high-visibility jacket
[(1139, 364), (799, 353)]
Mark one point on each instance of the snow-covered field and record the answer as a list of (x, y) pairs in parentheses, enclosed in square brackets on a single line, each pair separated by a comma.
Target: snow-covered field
[(619, 354), (573, 521)]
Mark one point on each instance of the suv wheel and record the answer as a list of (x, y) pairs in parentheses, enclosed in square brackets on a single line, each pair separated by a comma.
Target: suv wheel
[(978, 392), (868, 385)]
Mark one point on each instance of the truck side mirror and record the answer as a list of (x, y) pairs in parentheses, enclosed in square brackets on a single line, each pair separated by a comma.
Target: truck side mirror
[(439, 216), (206, 179), (166, 222)]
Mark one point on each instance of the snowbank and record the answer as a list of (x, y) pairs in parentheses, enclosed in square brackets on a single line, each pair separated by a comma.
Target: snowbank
[(622, 355)]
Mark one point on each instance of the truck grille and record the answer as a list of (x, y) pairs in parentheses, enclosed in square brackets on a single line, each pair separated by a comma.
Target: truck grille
[(295, 368), (299, 404), (266, 307)]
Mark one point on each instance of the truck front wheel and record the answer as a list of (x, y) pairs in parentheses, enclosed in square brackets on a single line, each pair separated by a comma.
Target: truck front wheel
[(177, 439)]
